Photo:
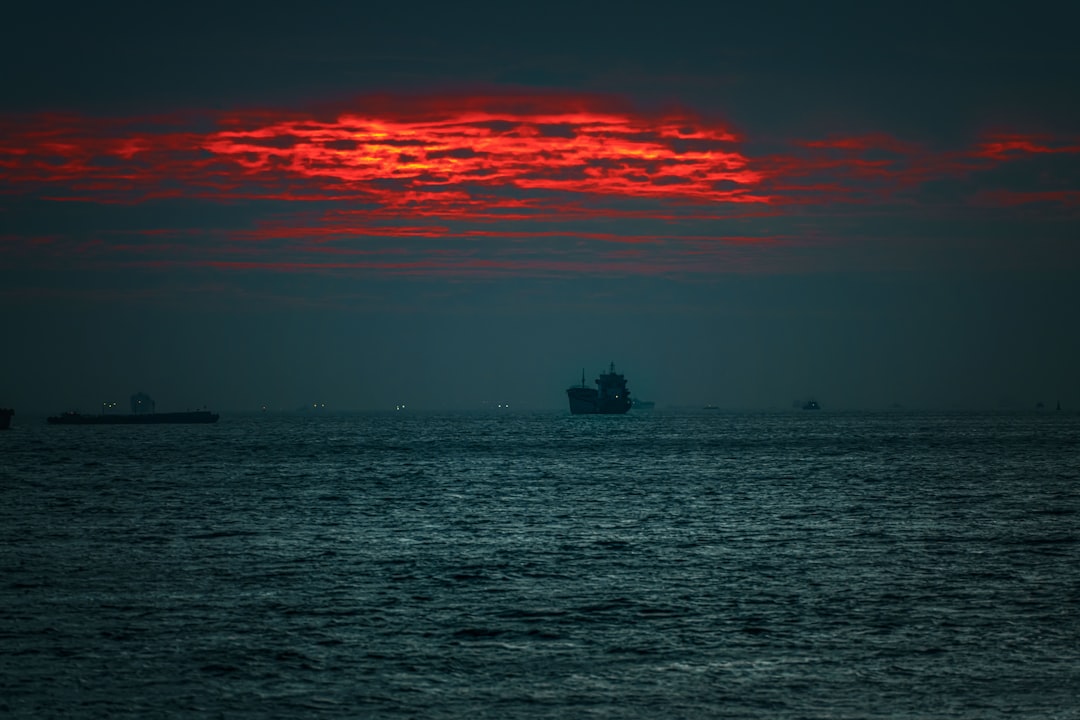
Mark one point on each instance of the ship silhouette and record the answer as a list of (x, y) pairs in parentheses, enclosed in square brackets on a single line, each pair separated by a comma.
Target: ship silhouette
[(609, 397), (143, 412)]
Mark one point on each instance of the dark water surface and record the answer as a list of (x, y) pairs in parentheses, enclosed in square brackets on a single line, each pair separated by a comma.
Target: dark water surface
[(789, 565)]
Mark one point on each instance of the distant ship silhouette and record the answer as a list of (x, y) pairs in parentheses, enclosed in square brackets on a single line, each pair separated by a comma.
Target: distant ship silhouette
[(609, 397), (139, 403), (193, 416)]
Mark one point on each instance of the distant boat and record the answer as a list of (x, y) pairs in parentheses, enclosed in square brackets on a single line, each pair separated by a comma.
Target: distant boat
[(642, 404), (74, 418), (811, 405), (5, 418), (140, 404), (711, 407), (609, 397)]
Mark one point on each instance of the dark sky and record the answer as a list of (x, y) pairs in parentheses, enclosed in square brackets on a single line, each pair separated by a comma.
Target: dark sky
[(451, 204)]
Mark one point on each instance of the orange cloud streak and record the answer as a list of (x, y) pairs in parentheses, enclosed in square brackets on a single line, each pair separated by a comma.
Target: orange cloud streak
[(436, 160), (457, 170)]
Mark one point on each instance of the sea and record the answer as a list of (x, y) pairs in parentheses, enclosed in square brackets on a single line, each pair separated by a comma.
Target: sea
[(663, 564)]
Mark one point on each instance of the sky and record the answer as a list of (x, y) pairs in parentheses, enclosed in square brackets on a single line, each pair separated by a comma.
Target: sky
[(452, 206)]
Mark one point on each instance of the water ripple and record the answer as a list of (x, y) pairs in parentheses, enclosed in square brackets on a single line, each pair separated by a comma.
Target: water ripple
[(759, 566)]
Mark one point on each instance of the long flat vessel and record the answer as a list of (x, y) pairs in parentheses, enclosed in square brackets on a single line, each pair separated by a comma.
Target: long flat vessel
[(152, 418)]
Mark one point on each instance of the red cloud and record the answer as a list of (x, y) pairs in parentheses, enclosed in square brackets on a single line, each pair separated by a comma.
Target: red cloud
[(1008, 147), (452, 154), (461, 170)]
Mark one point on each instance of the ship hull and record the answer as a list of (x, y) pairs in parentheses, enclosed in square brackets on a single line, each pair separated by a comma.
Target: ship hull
[(5, 418), (197, 417), (583, 401), (586, 401)]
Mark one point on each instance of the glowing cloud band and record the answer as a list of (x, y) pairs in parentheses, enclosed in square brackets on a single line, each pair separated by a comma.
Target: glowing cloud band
[(543, 169)]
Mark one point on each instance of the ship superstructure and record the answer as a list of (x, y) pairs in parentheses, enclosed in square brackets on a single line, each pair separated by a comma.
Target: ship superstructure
[(609, 397)]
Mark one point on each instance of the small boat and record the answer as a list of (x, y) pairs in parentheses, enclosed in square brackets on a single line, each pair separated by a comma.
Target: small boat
[(811, 405), (5, 418)]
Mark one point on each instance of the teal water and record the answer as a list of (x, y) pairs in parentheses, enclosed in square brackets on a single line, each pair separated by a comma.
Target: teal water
[(789, 565)]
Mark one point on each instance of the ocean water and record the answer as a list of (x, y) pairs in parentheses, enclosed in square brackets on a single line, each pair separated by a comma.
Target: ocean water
[(708, 565)]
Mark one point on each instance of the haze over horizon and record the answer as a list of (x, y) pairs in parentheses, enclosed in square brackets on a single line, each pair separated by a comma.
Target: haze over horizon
[(237, 208)]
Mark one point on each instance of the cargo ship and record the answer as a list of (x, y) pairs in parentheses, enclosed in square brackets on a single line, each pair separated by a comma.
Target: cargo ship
[(609, 397), (5, 418), (153, 418), (142, 413)]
